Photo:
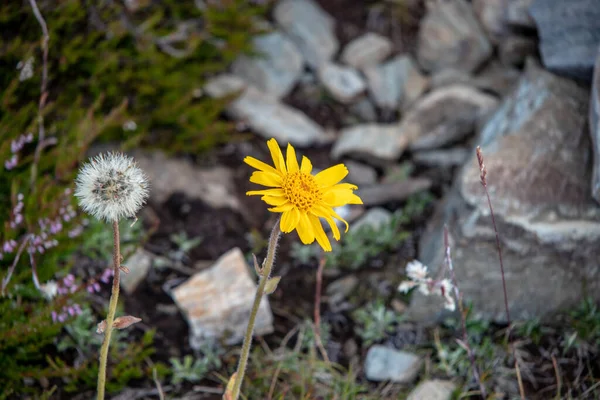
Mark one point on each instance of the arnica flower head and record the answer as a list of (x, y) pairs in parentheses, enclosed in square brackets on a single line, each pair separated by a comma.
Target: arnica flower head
[(111, 186), (302, 198)]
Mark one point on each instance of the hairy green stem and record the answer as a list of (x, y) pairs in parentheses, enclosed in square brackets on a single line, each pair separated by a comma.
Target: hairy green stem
[(112, 308), (264, 277)]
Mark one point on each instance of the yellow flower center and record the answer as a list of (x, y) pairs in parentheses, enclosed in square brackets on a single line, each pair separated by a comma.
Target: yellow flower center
[(301, 189)]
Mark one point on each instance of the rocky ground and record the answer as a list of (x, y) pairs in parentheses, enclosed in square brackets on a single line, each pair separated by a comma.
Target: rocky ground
[(401, 92)]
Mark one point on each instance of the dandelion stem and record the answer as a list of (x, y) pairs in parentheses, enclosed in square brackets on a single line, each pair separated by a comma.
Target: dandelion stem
[(112, 308), (264, 277), (463, 314)]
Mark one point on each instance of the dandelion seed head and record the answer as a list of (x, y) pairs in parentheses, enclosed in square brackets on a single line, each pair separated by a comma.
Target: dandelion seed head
[(111, 186)]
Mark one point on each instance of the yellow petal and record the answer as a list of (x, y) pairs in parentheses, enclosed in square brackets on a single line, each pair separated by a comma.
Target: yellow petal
[(282, 208), (266, 179), (292, 161), (335, 197), (331, 175), (261, 166), (266, 192), (289, 220), (276, 155), (305, 229), (344, 186), (327, 212), (274, 200), (319, 232), (306, 165), (334, 227)]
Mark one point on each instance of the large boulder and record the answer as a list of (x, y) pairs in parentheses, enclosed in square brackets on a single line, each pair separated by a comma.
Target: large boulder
[(569, 35), (595, 129), (537, 153)]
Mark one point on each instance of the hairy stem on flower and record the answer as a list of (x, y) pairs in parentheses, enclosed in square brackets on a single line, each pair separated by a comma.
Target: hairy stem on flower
[(112, 308), (264, 277)]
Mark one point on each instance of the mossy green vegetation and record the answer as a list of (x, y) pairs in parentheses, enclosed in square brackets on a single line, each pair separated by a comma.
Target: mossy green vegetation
[(114, 73)]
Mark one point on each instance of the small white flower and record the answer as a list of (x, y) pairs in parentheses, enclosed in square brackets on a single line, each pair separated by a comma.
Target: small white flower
[(446, 288), (49, 289), (129, 126), (405, 286), (111, 186), (416, 270), (26, 69)]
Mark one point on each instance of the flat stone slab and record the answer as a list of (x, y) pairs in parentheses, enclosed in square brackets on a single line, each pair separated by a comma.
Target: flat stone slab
[(277, 67), (344, 83), (310, 27), (365, 50), (451, 37), (387, 364), (265, 114), (216, 302)]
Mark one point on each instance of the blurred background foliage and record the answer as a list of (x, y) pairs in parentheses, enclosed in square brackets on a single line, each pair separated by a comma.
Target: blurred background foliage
[(127, 71)]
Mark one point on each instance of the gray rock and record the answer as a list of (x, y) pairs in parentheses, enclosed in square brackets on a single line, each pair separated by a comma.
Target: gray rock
[(338, 290), (434, 389), (276, 69), (492, 15), (496, 78), (441, 158), (224, 85), (518, 15), (167, 175), (395, 83), (515, 49), (447, 77), (371, 141), (216, 302), (445, 116), (393, 191), (374, 218), (310, 27), (360, 174), (139, 264), (265, 114), (594, 118), (386, 364), (364, 109), (537, 154), (569, 34), (368, 49), (344, 83), (451, 37)]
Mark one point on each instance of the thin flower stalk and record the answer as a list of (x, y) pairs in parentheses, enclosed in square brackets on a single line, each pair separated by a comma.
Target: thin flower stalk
[(483, 180), (463, 317), (265, 273), (112, 309)]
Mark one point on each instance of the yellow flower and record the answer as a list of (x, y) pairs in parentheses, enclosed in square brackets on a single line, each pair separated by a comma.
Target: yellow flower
[(301, 197)]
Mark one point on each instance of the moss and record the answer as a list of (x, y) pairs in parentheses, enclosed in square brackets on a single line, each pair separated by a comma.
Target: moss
[(107, 65)]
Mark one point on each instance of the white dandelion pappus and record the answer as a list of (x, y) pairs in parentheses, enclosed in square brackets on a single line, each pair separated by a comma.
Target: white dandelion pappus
[(111, 186)]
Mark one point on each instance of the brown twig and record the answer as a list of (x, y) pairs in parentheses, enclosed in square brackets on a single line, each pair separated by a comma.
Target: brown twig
[(317, 316), (6, 279), (159, 389), (463, 317), (558, 380), (483, 180), (42, 142)]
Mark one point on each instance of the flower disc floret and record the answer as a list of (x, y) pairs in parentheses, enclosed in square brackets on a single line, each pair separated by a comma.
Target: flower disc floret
[(111, 187), (301, 190), (302, 198)]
